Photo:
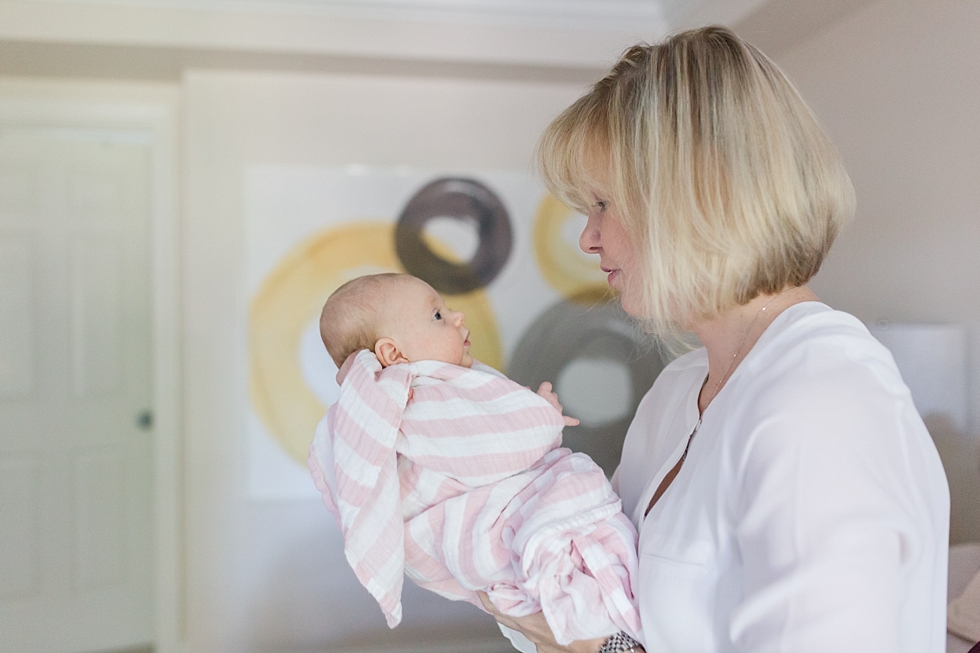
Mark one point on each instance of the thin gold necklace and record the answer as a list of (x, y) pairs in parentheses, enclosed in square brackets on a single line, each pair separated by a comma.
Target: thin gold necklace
[(669, 478), (738, 350)]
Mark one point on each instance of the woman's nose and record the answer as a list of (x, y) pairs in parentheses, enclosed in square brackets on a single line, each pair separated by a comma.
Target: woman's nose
[(589, 242)]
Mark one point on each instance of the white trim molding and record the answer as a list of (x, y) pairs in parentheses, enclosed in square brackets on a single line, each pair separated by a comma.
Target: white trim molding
[(570, 14), (570, 33)]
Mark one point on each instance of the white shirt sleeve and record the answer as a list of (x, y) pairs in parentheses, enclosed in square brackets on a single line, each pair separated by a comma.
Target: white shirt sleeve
[(820, 523)]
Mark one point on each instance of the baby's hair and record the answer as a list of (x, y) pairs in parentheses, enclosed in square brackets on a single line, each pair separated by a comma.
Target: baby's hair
[(351, 317)]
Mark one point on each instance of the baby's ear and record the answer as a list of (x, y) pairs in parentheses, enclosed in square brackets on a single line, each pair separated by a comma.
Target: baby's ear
[(388, 352)]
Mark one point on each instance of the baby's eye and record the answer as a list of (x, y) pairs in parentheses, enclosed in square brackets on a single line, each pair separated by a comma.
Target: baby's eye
[(438, 315)]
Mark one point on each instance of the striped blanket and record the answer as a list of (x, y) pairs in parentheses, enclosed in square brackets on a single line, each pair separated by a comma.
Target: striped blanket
[(466, 488)]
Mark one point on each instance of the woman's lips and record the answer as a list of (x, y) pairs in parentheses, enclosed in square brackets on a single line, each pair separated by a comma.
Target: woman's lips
[(612, 274)]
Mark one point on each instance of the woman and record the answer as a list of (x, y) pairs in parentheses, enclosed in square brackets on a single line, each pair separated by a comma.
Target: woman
[(786, 492)]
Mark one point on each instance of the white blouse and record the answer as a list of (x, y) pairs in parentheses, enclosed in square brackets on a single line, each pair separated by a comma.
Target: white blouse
[(812, 511)]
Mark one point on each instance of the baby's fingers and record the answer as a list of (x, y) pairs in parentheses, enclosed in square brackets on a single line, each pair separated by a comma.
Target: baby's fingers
[(544, 391)]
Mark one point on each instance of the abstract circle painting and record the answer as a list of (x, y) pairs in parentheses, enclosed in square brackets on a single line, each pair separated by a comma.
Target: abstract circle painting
[(461, 199), (537, 307), (590, 329)]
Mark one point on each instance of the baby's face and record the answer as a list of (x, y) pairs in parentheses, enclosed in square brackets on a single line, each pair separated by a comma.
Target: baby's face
[(423, 327)]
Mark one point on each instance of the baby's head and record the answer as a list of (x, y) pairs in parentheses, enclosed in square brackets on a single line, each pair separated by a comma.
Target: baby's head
[(397, 316)]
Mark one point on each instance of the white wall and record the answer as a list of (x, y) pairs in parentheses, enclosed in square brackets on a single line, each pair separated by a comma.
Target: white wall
[(898, 86), (271, 575)]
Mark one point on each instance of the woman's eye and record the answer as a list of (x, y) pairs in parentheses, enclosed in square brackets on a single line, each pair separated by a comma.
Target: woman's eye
[(601, 205)]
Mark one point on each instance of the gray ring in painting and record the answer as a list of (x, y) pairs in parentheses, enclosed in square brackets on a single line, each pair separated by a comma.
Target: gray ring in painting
[(461, 199), (571, 331)]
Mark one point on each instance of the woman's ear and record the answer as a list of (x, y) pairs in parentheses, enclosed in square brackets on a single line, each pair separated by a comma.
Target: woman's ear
[(388, 352)]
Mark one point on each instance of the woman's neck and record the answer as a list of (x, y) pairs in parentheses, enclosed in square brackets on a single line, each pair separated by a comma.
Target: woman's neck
[(729, 337)]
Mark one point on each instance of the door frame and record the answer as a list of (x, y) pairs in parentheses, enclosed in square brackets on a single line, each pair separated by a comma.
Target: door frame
[(151, 109)]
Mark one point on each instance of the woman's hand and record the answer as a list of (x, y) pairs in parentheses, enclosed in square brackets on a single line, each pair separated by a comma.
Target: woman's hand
[(536, 629), (545, 391)]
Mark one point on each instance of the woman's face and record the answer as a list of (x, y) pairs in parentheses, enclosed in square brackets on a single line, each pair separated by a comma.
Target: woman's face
[(604, 235)]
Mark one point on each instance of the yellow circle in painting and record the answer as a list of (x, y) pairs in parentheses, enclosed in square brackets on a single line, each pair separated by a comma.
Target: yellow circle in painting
[(292, 296), (566, 269)]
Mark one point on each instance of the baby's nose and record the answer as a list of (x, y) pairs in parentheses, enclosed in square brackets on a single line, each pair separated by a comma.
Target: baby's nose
[(458, 318)]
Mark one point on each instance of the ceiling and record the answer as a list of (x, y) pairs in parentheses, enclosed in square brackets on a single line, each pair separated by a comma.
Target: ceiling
[(660, 16), (546, 40)]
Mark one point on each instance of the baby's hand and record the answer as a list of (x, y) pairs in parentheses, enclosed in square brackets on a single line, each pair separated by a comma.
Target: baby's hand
[(544, 391)]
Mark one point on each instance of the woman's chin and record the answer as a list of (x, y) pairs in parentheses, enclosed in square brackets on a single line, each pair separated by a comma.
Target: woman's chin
[(630, 304), (630, 310)]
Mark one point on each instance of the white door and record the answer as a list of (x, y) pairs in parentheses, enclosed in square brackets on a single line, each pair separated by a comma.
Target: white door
[(75, 426)]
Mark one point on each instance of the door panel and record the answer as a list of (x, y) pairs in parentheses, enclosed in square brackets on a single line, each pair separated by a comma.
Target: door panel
[(75, 474), (19, 563), (96, 312)]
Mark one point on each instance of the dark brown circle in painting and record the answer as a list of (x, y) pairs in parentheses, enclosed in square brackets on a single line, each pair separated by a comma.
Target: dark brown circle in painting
[(576, 329), (460, 199)]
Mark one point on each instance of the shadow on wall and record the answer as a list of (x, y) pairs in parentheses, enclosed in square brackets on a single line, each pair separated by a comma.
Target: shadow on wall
[(960, 454), (286, 605)]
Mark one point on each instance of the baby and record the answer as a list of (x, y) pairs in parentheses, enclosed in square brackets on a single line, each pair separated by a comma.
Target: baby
[(441, 468)]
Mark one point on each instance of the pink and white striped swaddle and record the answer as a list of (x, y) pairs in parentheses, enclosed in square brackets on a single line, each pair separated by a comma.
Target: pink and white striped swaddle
[(466, 488)]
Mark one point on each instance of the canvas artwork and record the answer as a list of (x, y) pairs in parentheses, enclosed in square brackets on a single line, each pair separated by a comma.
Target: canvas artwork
[(492, 242)]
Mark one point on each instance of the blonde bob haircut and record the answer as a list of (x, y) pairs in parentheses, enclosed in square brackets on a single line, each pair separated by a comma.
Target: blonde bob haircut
[(718, 170)]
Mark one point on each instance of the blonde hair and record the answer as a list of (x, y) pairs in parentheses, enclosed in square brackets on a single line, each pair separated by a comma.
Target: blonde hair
[(351, 318), (718, 168)]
